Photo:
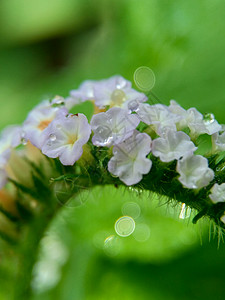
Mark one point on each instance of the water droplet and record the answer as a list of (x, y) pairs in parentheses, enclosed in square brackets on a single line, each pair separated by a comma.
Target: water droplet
[(144, 78), (185, 211), (59, 126), (134, 189), (125, 226), (103, 136), (142, 233), (57, 101), (182, 212), (133, 105), (24, 141), (132, 209), (209, 118), (52, 137), (121, 83), (118, 97)]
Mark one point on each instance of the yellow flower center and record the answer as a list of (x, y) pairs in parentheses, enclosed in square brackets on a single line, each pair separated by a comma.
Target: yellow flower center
[(43, 124)]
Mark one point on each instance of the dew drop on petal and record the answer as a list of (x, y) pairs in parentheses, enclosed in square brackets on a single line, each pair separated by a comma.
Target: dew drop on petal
[(52, 137), (133, 105), (59, 126), (209, 118), (24, 141), (125, 226), (118, 97), (144, 78), (121, 84), (103, 135), (58, 101)]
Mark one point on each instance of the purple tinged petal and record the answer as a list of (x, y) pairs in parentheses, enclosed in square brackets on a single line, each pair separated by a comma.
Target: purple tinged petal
[(159, 116), (173, 145), (65, 138), (194, 172), (37, 122), (113, 127), (129, 162)]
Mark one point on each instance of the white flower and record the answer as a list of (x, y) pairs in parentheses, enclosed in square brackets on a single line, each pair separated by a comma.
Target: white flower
[(176, 109), (65, 137), (113, 127), (173, 145), (192, 118), (116, 91), (218, 141), (83, 93), (198, 125), (38, 120), (10, 138), (129, 162), (217, 193), (159, 116), (211, 124), (194, 172)]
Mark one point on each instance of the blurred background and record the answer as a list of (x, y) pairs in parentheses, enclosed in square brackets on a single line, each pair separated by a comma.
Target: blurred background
[(50, 47)]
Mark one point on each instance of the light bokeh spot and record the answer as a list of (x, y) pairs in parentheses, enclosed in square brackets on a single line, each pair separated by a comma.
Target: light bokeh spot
[(144, 78), (131, 209), (112, 245), (142, 233), (125, 226)]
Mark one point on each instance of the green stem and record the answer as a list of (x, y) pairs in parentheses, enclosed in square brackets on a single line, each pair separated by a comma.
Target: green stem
[(28, 253)]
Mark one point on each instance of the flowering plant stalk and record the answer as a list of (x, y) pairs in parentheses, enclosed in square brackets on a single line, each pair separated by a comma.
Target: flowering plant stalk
[(55, 154)]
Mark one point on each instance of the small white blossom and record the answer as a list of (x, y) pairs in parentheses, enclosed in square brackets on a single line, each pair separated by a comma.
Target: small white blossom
[(65, 137), (116, 91), (9, 139), (217, 193), (198, 125), (176, 109), (129, 162), (113, 127), (218, 141), (38, 120), (192, 118), (113, 92), (159, 116), (174, 145), (194, 172), (83, 93)]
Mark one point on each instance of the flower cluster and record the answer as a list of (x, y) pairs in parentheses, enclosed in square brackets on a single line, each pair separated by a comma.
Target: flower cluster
[(133, 131)]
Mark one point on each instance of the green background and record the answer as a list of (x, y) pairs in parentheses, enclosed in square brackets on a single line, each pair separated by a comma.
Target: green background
[(50, 47)]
